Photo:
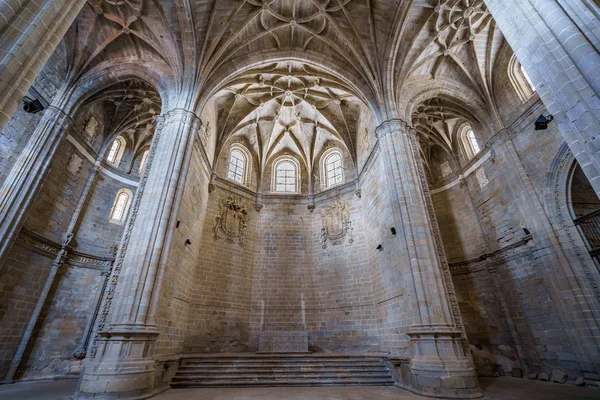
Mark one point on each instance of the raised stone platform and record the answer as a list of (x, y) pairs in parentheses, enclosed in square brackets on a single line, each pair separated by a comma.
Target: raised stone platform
[(283, 342), (240, 370)]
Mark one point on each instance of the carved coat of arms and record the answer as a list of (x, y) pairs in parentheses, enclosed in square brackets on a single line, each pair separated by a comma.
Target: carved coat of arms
[(336, 225), (231, 222)]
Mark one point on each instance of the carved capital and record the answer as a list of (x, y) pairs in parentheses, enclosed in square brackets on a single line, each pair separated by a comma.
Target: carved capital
[(393, 126)]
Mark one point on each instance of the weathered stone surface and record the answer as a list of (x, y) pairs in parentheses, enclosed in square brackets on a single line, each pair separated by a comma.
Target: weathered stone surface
[(558, 376), (543, 377)]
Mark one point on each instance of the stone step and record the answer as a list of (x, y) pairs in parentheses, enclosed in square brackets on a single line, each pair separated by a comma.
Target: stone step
[(274, 361), (318, 369), (280, 364), (288, 382), (279, 370), (286, 375)]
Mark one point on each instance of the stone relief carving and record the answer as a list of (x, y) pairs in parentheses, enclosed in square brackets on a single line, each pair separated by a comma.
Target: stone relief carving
[(336, 225), (90, 131), (231, 222), (74, 164)]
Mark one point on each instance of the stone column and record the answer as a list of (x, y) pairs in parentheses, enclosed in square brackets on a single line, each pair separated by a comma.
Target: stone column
[(441, 364), (29, 33), (557, 43), (27, 175), (123, 364)]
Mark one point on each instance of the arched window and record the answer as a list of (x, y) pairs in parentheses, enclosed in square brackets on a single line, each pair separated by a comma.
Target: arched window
[(332, 167), (238, 165), (118, 213), (143, 162), (520, 79), (469, 142), (527, 79), (116, 151), (286, 176)]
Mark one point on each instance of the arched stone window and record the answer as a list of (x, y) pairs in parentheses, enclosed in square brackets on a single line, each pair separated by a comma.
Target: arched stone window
[(143, 162), (116, 151), (520, 79), (469, 142), (119, 210), (239, 165), (332, 168), (286, 176)]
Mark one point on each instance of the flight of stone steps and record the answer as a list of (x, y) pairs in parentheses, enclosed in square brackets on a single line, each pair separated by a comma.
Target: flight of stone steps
[(281, 370)]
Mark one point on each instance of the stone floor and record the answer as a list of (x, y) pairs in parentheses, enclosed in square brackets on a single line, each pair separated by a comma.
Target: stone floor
[(495, 389)]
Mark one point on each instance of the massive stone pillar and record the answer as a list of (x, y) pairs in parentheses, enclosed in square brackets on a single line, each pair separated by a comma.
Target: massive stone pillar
[(558, 43), (27, 175), (123, 364), (29, 33), (441, 364)]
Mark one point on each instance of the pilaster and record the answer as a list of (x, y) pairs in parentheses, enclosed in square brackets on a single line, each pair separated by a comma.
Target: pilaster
[(121, 363), (27, 175), (440, 365)]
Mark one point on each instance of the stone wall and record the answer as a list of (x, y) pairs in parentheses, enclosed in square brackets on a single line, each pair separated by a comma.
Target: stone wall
[(287, 276), (506, 280)]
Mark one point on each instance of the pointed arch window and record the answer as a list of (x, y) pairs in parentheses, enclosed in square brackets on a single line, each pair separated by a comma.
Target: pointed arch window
[(120, 207), (520, 79), (286, 176), (333, 168), (469, 141), (116, 151), (239, 165)]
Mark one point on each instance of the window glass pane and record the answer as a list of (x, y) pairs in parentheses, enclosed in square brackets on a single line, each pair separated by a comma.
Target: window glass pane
[(120, 205), (527, 79), (473, 142), (114, 151), (285, 178), (237, 166), (333, 170)]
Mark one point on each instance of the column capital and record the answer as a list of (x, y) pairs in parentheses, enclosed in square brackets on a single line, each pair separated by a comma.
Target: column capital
[(182, 114), (394, 125)]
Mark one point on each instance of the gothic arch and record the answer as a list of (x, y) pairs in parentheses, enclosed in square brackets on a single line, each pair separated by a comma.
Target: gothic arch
[(419, 91), (557, 203)]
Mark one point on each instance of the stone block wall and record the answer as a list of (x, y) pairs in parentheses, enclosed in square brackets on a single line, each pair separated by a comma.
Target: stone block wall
[(62, 324), (506, 283), (175, 309), (283, 278), (21, 281), (16, 133), (94, 234)]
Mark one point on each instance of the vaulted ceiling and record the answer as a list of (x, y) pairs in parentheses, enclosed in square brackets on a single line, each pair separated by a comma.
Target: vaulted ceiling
[(298, 70)]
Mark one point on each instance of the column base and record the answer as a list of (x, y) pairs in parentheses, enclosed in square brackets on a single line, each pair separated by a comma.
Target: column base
[(124, 366), (439, 366)]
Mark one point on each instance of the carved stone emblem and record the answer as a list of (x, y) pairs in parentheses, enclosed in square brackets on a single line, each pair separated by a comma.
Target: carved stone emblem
[(336, 225), (231, 222)]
